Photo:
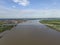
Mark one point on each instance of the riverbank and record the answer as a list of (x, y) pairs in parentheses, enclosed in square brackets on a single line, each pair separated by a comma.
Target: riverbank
[(9, 24), (30, 33), (55, 24)]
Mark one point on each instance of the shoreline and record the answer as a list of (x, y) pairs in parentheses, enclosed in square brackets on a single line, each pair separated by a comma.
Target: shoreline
[(7, 27), (54, 24)]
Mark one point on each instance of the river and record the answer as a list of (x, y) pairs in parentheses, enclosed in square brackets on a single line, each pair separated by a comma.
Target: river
[(31, 33)]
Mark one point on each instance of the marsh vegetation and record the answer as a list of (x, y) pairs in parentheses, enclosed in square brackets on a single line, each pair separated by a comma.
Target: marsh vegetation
[(9, 24), (55, 24)]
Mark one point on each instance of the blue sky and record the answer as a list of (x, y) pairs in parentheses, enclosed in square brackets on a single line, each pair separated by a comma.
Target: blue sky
[(29, 8)]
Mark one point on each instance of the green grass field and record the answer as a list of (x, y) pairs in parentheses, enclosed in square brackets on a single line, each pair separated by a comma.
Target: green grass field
[(55, 24), (4, 28)]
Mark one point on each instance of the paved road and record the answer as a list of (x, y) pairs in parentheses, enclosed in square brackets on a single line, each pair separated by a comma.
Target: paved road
[(31, 33)]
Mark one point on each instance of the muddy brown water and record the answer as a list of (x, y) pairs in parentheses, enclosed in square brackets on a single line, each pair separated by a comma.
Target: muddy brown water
[(31, 33)]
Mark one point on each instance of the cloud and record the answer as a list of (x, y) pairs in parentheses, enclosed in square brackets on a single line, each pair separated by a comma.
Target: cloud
[(22, 2), (28, 13)]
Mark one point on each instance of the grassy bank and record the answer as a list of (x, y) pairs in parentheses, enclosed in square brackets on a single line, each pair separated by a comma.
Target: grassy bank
[(9, 24), (5, 27), (55, 24)]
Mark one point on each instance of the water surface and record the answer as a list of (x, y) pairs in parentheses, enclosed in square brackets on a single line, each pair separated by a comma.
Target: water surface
[(31, 33)]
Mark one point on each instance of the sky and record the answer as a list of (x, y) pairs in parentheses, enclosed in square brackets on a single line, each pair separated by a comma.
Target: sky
[(29, 8)]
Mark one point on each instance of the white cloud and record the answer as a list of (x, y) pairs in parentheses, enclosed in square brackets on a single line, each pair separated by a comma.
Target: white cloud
[(22, 2), (30, 13)]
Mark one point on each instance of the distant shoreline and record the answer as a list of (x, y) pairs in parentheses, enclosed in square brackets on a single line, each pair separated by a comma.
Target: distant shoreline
[(28, 18), (54, 24), (9, 24)]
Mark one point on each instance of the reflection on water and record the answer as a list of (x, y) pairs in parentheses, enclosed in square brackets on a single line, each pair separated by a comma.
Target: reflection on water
[(31, 33)]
